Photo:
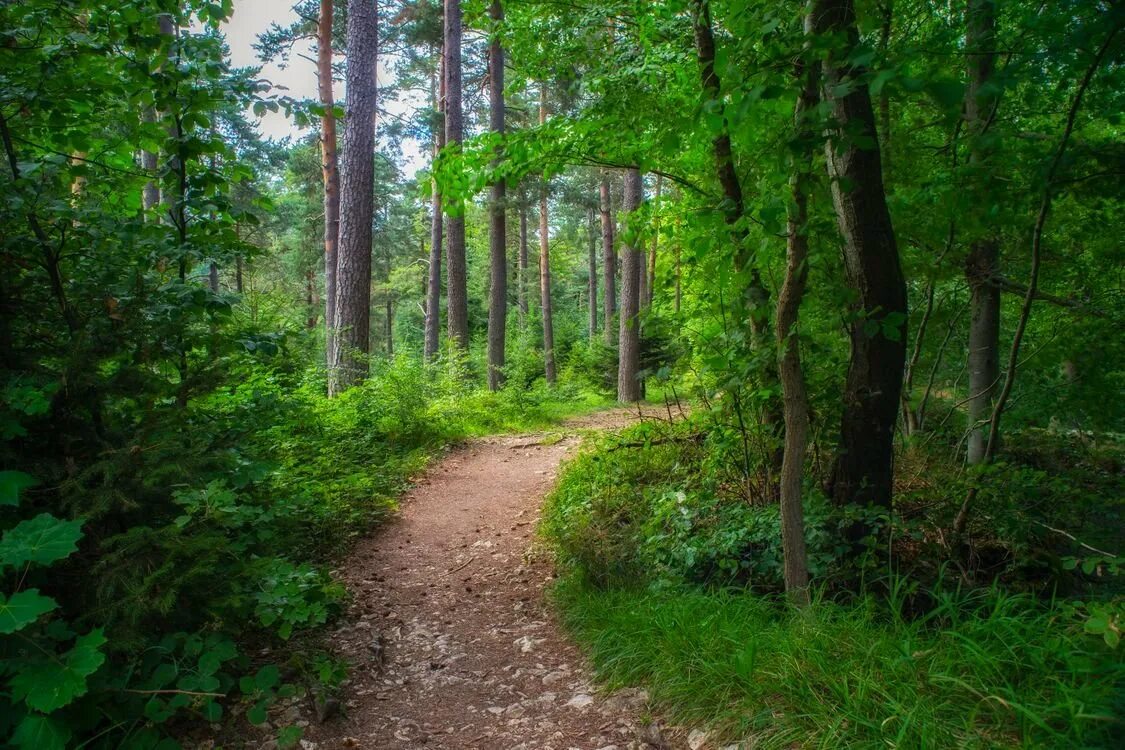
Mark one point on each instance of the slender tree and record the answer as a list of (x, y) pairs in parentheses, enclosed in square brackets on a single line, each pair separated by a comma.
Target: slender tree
[(545, 264), (357, 184), (330, 171), (457, 308), (629, 334), (756, 296), (981, 266), (522, 262), (498, 232), (862, 471), (432, 332), (795, 399), (609, 260), (592, 280)]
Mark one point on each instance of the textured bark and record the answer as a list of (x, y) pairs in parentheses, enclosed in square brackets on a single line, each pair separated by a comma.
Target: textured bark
[(357, 183), (592, 280), (457, 312), (522, 262), (629, 335), (432, 333), (609, 261), (330, 172), (795, 399), (498, 232), (863, 469), (982, 263), (545, 266), (213, 276)]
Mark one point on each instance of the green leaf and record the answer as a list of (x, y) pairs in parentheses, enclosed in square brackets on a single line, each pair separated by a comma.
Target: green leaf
[(23, 609), (11, 483), (267, 677), (257, 713), (42, 540), (41, 733), (50, 684), (288, 737)]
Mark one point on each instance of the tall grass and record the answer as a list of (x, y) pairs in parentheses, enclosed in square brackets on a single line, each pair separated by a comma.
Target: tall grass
[(982, 669)]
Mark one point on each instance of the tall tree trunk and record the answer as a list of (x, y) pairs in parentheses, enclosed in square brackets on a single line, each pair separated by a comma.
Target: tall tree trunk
[(629, 335), (432, 332), (755, 296), (592, 281), (457, 312), (357, 185), (887, 9), (795, 399), (498, 232), (655, 246), (863, 470), (213, 277), (522, 261), (982, 263), (609, 260), (545, 264), (238, 274), (330, 172)]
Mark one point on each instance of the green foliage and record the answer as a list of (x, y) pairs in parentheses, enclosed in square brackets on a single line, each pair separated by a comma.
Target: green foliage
[(981, 669)]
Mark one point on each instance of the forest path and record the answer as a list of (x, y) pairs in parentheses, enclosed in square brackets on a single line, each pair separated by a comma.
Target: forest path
[(451, 594)]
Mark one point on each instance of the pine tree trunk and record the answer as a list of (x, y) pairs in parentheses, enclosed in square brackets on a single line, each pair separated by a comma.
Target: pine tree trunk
[(592, 281), (498, 233), (982, 264), (432, 333), (629, 334), (545, 265), (863, 469), (357, 184), (457, 312), (522, 262), (330, 173), (609, 262)]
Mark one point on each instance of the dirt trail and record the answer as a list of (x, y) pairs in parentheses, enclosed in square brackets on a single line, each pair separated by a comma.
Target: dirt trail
[(448, 597)]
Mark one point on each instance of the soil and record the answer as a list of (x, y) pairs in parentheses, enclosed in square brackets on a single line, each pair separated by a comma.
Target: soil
[(451, 641)]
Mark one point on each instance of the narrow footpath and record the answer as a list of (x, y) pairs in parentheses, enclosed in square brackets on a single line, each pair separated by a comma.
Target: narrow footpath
[(452, 643)]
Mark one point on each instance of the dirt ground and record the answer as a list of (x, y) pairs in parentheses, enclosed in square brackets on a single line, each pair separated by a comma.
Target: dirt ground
[(452, 643)]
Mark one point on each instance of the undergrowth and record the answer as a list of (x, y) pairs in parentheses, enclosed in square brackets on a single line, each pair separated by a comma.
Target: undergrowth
[(671, 580)]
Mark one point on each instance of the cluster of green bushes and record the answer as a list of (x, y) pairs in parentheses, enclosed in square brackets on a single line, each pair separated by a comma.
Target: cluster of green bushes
[(673, 580), (141, 576)]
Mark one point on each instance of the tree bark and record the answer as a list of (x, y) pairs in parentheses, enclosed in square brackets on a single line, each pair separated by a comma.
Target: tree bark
[(545, 265), (592, 280), (357, 184), (522, 262), (432, 333), (795, 400), (629, 335), (982, 263), (457, 312), (330, 172), (863, 469), (498, 232), (609, 260)]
